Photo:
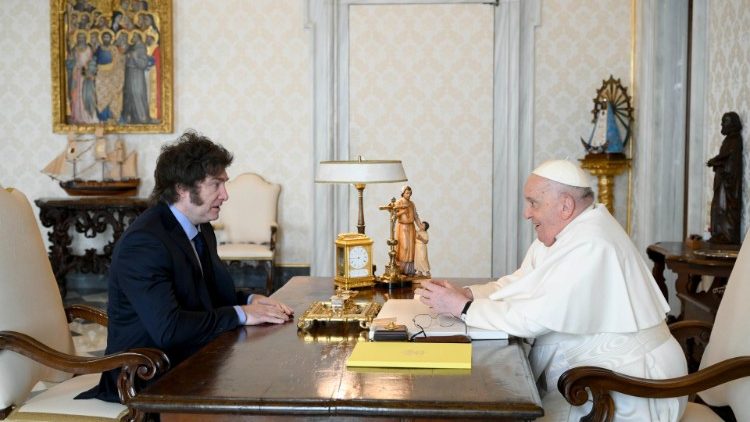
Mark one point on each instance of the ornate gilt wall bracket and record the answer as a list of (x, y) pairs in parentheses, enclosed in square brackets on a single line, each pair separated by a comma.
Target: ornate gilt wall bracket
[(605, 169)]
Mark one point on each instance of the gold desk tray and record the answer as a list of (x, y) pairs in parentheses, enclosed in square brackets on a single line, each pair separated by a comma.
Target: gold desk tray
[(352, 311), (717, 253), (401, 278)]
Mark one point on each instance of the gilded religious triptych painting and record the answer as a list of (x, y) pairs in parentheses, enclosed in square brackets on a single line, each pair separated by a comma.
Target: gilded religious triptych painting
[(111, 65)]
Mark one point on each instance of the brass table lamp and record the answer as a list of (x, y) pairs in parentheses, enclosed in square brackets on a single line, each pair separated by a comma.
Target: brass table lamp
[(359, 173), (353, 250)]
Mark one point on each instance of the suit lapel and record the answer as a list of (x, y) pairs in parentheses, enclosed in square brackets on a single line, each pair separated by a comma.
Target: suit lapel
[(220, 289), (180, 238), (186, 246)]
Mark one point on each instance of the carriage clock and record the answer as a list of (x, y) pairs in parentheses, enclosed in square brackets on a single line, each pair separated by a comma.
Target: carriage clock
[(353, 261)]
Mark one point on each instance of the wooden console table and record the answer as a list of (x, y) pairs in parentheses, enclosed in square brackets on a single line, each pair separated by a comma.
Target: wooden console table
[(689, 267), (90, 216)]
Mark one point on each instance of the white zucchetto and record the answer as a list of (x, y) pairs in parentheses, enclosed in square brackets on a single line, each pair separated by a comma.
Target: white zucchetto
[(563, 171)]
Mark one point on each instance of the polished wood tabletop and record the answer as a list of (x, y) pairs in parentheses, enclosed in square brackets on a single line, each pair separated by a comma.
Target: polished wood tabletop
[(276, 370), (697, 254)]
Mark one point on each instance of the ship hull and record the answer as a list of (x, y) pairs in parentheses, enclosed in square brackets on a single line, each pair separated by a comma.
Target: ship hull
[(127, 187)]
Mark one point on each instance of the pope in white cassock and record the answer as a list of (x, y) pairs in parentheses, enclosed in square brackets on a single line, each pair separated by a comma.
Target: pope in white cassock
[(583, 292)]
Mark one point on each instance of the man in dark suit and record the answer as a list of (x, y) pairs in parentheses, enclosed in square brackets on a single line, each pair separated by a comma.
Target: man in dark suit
[(168, 288)]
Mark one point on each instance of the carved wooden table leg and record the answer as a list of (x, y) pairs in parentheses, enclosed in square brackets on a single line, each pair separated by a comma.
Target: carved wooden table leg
[(658, 271), (59, 249), (682, 287)]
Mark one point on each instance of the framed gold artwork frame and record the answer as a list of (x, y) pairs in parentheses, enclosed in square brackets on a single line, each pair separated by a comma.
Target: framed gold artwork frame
[(111, 66)]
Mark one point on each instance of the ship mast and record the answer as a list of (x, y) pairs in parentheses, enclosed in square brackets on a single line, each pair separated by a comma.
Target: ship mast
[(100, 149), (71, 152)]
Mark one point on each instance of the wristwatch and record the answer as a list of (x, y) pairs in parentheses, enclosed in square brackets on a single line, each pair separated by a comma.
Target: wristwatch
[(465, 310)]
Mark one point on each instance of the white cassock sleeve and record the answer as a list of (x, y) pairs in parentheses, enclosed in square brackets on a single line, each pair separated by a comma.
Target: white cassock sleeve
[(484, 314), (484, 311), (587, 282)]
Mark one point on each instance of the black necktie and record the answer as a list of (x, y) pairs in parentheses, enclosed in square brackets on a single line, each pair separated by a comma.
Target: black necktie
[(200, 246), (202, 249)]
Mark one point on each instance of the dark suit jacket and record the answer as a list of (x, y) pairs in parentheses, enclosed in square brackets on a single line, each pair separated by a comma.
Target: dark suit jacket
[(158, 297)]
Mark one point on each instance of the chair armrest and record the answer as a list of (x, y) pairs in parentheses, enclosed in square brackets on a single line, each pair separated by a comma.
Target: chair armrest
[(143, 362), (691, 328), (693, 336), (89, 313), (274, 230), (574, 382)]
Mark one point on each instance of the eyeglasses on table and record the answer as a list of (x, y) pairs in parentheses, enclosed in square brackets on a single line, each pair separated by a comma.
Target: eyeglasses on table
[(425, 321)]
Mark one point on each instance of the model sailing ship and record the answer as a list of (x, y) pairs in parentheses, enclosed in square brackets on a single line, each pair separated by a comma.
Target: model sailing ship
[(87, 167)]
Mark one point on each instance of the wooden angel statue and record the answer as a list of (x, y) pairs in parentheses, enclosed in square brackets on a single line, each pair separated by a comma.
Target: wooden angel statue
[(421, 261)]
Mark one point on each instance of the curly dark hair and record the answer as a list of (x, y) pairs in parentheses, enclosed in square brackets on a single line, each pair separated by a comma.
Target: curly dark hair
[(186, 162)]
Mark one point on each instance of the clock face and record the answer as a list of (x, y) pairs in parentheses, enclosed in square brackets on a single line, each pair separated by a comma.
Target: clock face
[(358, 257)]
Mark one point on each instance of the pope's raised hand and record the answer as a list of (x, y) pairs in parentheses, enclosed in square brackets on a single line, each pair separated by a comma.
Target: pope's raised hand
[(442, 296)]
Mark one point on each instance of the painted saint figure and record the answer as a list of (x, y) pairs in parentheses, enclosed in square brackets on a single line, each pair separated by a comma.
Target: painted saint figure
[(110, 78), (135, 91), (80, 112)]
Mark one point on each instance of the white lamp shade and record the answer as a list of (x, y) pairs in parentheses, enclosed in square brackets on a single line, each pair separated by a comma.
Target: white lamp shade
[(361, 171)]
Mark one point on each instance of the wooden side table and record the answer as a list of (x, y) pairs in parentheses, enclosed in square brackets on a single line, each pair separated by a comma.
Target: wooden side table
[(689, 267), (90, 216)]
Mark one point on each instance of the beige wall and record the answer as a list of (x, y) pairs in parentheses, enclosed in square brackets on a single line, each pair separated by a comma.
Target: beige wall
[(421, 92), (728, 84), (241, 72), (578, 45), (243, 77)]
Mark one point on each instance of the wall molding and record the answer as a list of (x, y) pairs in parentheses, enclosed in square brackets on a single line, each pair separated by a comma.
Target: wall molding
[(514, 23)]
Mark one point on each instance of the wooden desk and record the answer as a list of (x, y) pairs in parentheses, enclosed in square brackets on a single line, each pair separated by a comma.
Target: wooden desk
[(689, 267), (278, 371), (90, 216)]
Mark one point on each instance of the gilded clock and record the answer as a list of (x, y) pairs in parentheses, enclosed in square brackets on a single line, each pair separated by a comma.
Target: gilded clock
[(353, 261)]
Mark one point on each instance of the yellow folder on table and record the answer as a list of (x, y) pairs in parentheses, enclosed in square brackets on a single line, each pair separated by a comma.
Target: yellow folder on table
[(406, 354)]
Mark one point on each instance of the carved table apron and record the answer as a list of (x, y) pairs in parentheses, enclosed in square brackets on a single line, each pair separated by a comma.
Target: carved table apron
[(689, 266), (89, 216)]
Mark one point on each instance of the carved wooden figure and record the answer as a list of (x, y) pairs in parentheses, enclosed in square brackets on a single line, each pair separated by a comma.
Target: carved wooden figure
[(406, 213), (726, 206)]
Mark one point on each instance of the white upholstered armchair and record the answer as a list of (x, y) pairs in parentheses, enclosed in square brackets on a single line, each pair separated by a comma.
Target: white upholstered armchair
[(35, 340), (247, 227)]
